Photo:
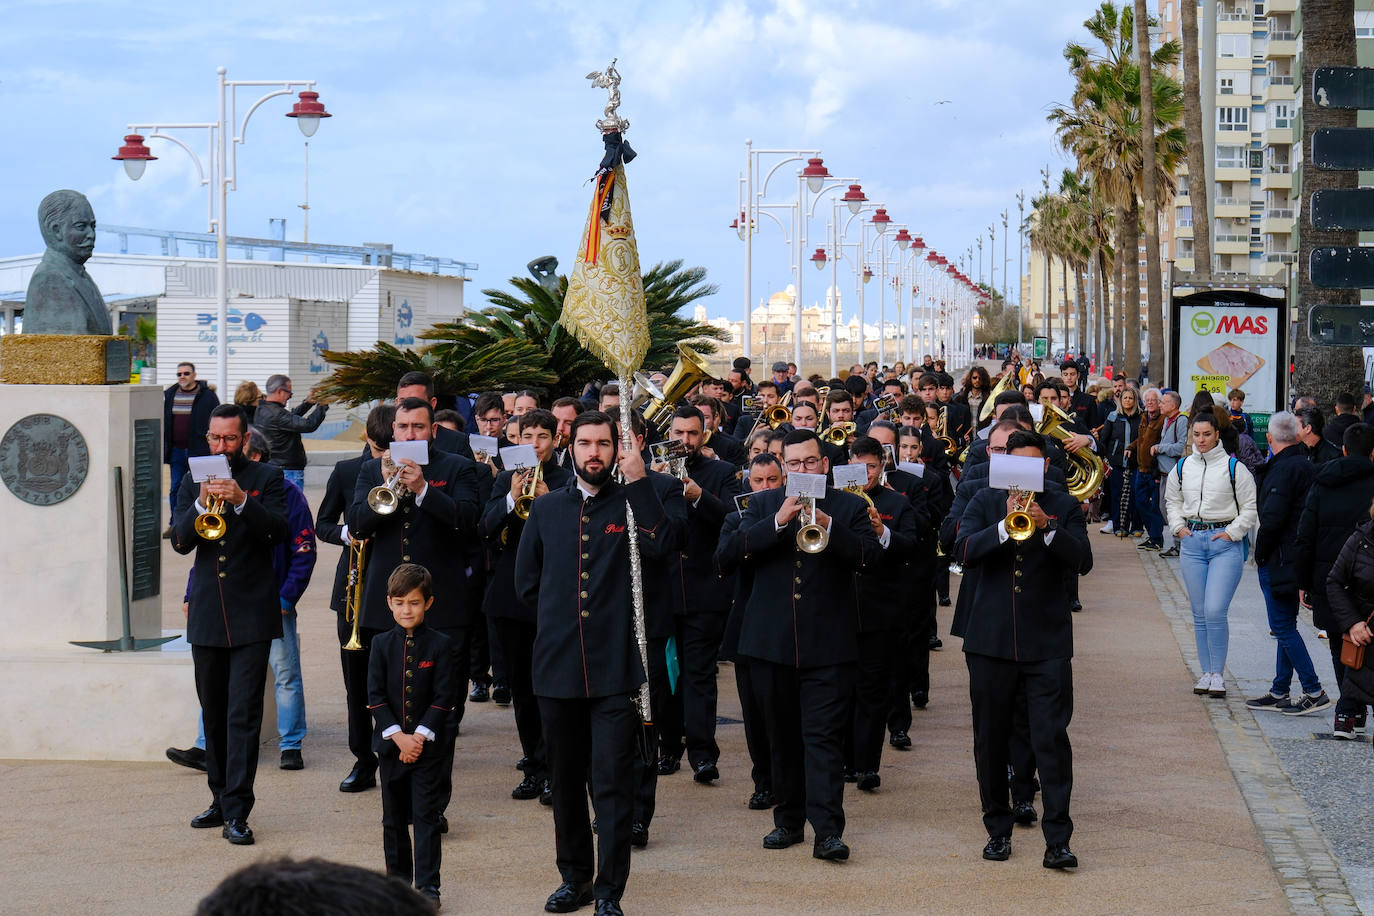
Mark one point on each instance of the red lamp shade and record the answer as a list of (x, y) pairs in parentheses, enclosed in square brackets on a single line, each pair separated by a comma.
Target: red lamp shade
[(134, 155), (854, 199), (881, 220), (903, 238), (819, 258), (308, 112), (815, 174)]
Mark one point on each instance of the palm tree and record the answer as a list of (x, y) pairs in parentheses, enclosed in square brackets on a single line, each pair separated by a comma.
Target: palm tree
[(1328, 40), (1149, 198), (1197, 156), (517, 343), (1079, 244)]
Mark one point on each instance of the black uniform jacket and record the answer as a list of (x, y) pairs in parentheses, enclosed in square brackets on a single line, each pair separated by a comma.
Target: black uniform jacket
[(453, 441), (432, 534), (501, 599), (333, 516), (743, 581), (728, 449), (573, 567), (1020, 607), (234, 598), (703, 591), (879, 589), (801, 609), (958, 421), (663, 586), (410, 683)]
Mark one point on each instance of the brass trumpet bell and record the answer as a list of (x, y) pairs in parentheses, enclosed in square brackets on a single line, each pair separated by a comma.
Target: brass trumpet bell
[(777, 415), (384, 499), (811, 537), (210, 523), (1020, 526), (838, 433), (687, 373), (525, 501)]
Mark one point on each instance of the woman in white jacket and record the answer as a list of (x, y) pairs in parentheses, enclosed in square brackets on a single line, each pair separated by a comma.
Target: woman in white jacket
[(1210, 499)]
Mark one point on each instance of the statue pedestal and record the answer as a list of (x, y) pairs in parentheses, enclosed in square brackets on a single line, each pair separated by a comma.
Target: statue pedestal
[(62, 580)]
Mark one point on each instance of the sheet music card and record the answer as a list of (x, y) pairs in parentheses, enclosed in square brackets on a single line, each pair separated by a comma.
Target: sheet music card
[(519, 457), (1023, 472), (209, 467), (812, 485), (416, 450)]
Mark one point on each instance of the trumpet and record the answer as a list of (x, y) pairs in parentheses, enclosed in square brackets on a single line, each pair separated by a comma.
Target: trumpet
[(942, 434), (525, 500), (811, 537), (353, 597), (210, 523), (1019, 523), (859, 492), (777, 415), (384, 498), (838, 433)]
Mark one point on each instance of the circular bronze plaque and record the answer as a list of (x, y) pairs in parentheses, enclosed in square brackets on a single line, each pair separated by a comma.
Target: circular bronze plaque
[(43, 459)]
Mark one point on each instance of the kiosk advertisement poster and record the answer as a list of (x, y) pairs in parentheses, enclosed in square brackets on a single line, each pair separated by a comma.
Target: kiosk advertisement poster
[(1223, 344)]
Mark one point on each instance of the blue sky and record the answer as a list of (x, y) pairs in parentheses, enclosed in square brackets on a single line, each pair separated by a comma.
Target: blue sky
[(465, 129)]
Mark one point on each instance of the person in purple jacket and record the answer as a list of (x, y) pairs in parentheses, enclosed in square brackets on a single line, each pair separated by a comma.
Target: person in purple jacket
[(293, 560)]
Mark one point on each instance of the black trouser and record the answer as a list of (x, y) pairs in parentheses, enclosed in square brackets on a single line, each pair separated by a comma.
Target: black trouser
[(911, 664), (755, 725), (942, 576), (411, 793), (592, 737), (878, 651), (459, 638), (517, 637), (1021, 754), (660, 701), (230, 683), (1048, 687), (354, 664), (480, 651), (667, 703), (698, 644), (1344, 705), (805, 711)]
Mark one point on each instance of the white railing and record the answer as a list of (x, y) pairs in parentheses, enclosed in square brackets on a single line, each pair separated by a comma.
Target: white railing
[(1281, 257), (1232, 238), (1282, 36), (1229, 201), (1280, 80), (1225, 16), (1278, 214), (1280, 168)]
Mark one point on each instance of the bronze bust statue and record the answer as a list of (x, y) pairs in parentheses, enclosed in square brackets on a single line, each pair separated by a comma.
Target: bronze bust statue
[(62, 297)]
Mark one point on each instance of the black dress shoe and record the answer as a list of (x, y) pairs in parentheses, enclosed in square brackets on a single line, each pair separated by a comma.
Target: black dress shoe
[(705, 772), (900, 740), (529, 788), (639, 836), (935, 643), (867, 782), (831, 849), (944, 601), (850, 775), (920, 699), (668, 765), (1024, 814), (443, 823), (500, 694), (431, 894), (609, 908), (479, 693), (546, 794), (761, 800), (237, 831), (193, 757), (781, 838), (998, 849), (210, 817), (359, 780), (1075, 605), (569, 897), (520, 764), (1060, 856), (291, 759)]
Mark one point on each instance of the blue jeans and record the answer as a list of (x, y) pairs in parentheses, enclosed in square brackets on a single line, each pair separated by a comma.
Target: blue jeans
[(296, 477), (1147, 504), (1211, 572), (180, 468), (285, 660), (1292, 651)]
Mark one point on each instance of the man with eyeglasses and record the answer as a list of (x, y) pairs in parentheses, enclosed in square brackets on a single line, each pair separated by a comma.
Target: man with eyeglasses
[(283, 427), (186, 408), (233, 613), (800, 624)]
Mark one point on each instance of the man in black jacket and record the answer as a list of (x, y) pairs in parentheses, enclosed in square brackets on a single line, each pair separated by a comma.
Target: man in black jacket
[(1311, 425), (1284, 483), (283, 427), (233, 614), (586, 665), (186, 410), (331, 525), (801, 624), (1019, 635), (1337, 501)]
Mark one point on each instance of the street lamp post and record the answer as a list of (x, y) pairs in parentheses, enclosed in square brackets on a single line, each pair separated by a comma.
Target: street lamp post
[(223, 173)]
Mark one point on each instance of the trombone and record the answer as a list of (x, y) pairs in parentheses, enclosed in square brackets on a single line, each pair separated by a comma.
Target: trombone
[(353, 597), (839, 433), (812, 538), (210, 523), (1019, 523), (780, 412), (384, 498), (942, 434), (525, 500)]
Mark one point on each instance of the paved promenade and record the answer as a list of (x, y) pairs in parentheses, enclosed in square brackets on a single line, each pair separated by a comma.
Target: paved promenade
[(1162, 824)]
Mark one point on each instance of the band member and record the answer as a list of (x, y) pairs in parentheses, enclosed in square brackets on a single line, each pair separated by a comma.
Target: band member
[(709, 489), (881, 611), (436, 513), (839, 408), (564, 410), (486, 663), (511, 619), (233, 613), (1019, 635), (1081, 405), (331, 525), (572, 567), (805, 645), (717, 444), (410, 687), (765, 473), (419, 385)]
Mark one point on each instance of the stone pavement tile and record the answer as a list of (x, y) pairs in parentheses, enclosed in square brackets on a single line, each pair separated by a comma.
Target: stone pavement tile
[(1160, 824)]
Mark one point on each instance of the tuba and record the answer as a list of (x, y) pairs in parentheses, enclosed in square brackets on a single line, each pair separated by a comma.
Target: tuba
[(353, 597), (1019, 523), (658, 405), (811, 537), (1003, 384), (210, 523), (525, 500), (384, 499), (1085, 470)]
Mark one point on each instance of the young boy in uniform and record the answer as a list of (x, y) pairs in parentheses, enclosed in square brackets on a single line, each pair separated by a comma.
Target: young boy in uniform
[(410, 694)]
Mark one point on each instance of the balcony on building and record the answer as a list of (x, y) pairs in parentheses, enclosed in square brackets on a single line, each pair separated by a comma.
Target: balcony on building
[(1231, 208), (1275, 7), (1277, 221), (1231, 243), (1234, 18)]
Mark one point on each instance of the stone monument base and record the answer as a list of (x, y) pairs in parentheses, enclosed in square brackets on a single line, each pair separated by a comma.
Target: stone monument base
[(63, 359)]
